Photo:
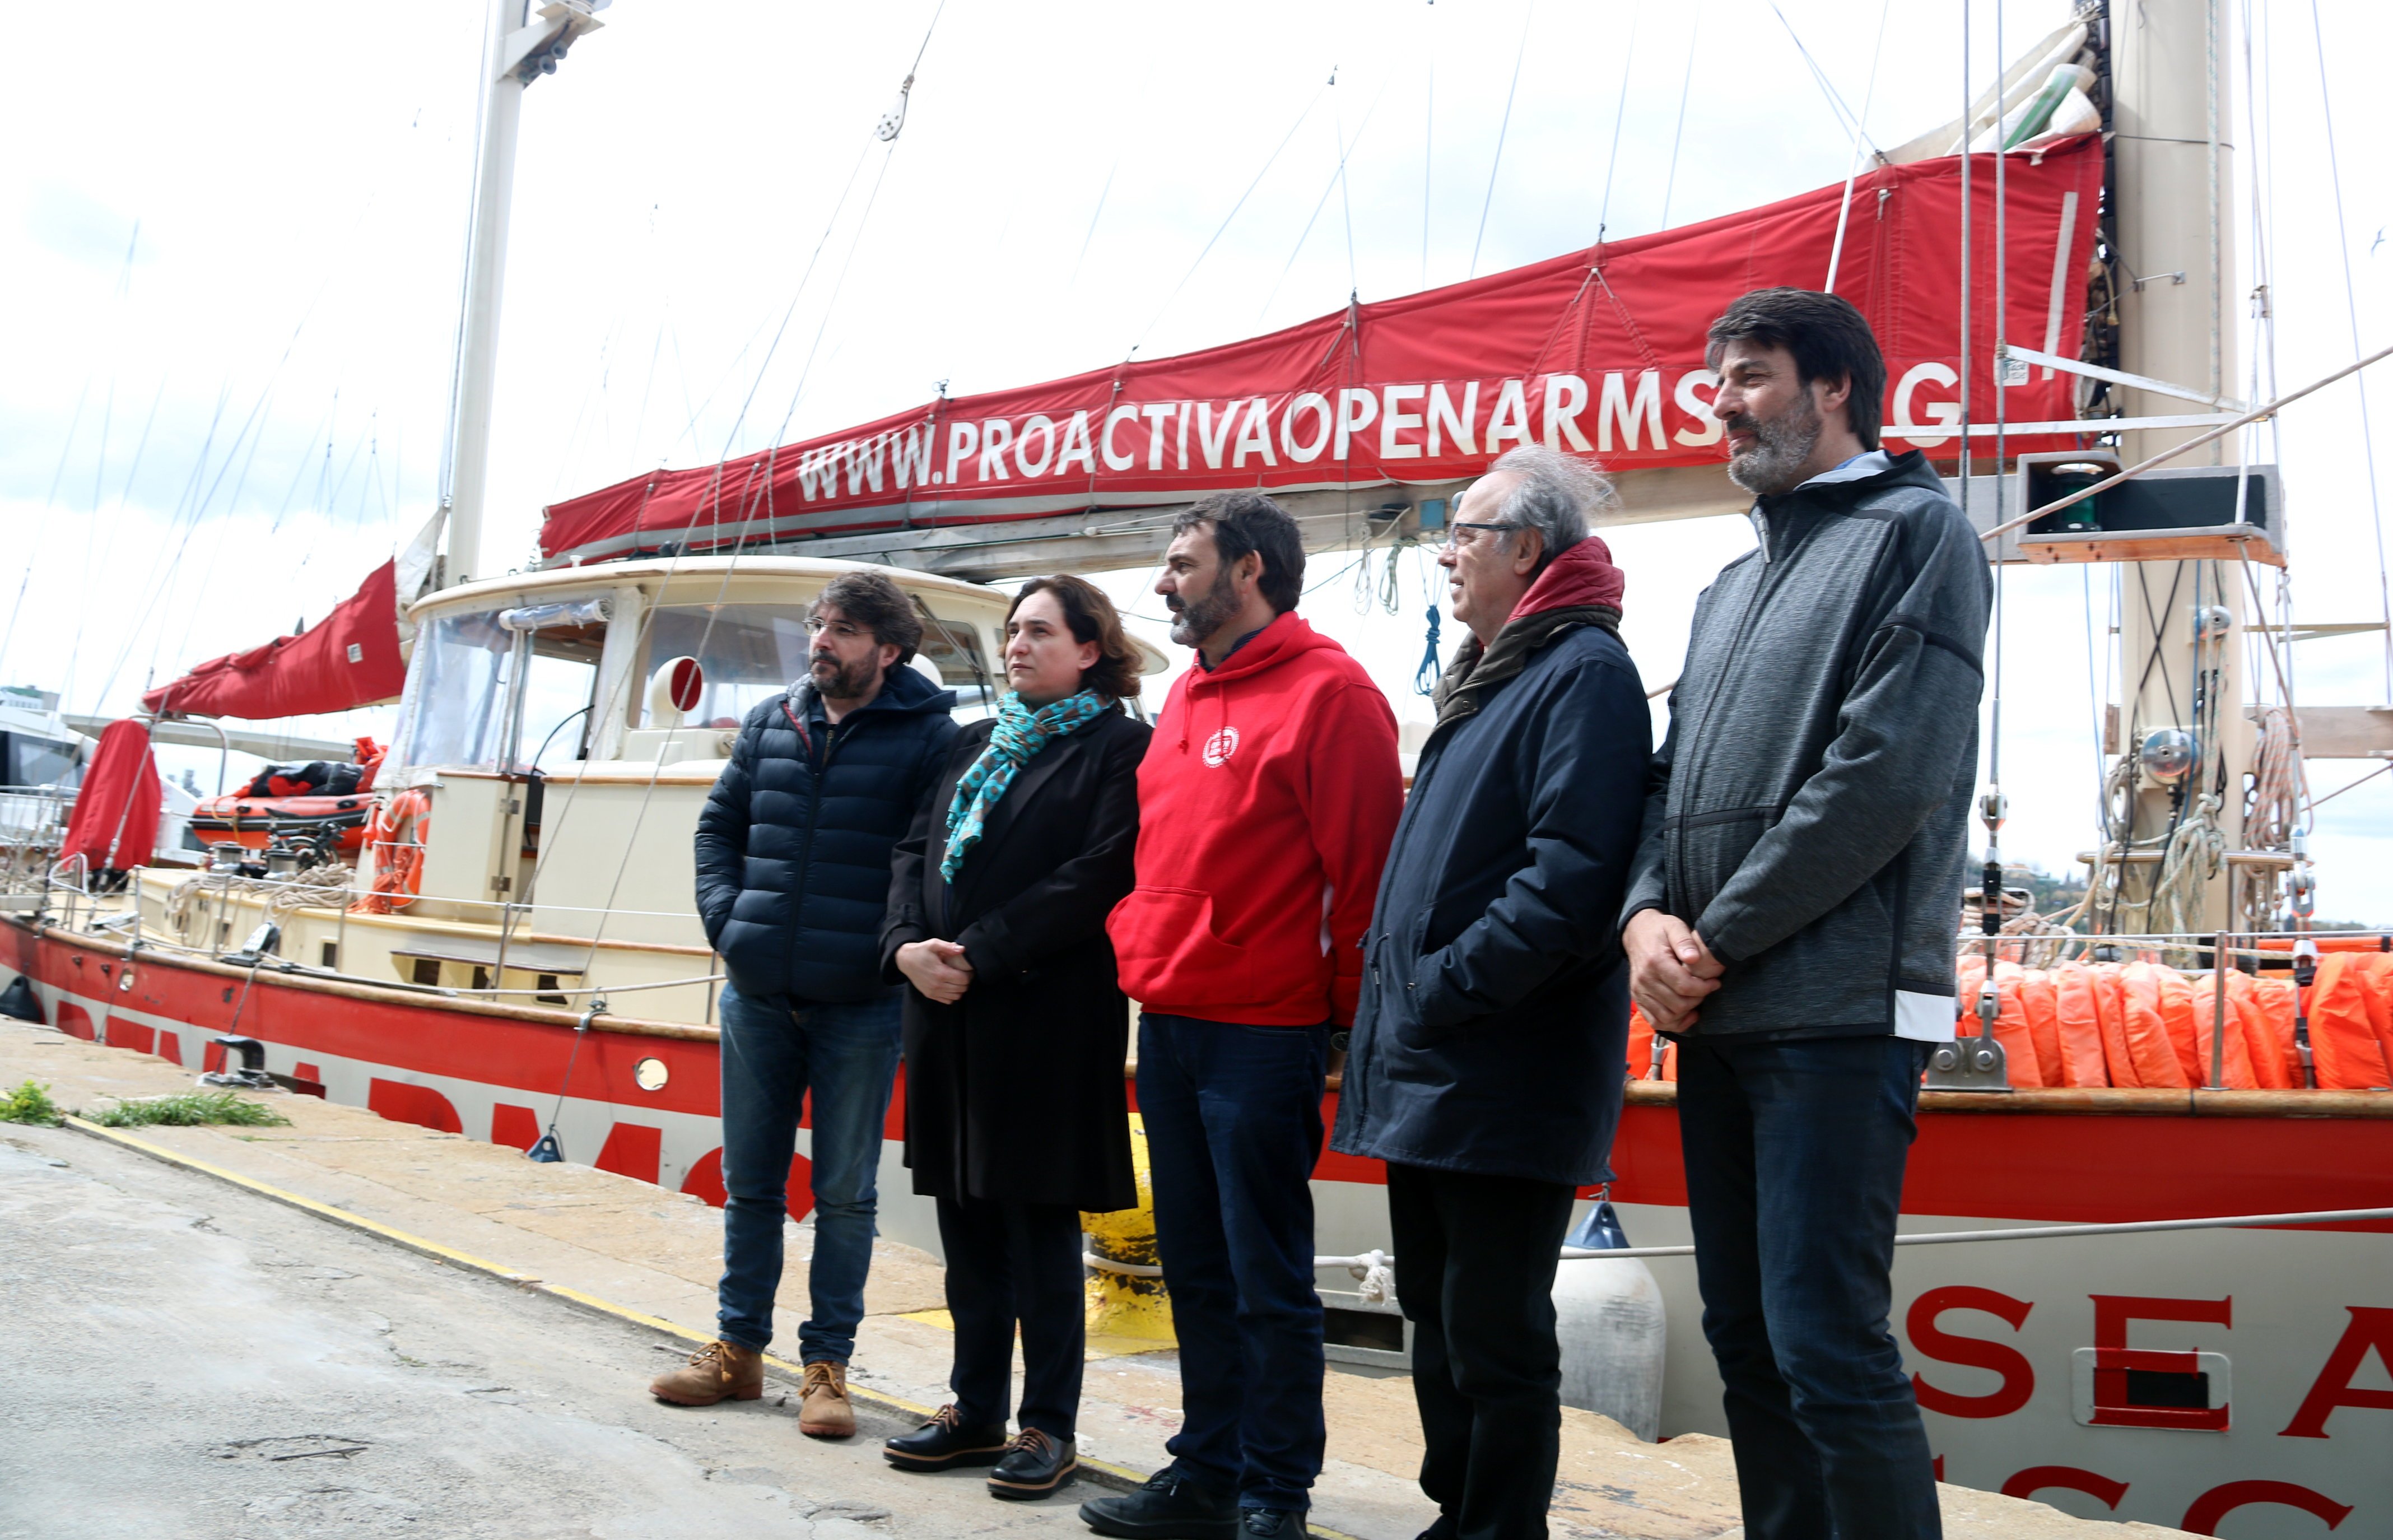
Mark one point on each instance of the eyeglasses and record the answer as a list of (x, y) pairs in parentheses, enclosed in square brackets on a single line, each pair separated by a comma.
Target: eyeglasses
[(844, 630), (1453, 538)]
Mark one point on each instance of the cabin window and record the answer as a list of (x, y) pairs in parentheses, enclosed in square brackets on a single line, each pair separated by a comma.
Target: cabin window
[(557, 693), (37, 761), (752, 653), (953, 647), (461, 671), (460, 687)]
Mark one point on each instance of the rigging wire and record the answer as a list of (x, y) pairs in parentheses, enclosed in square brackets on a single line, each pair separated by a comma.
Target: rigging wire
[(625, 684), (831, 305), (1336, 179), (251, 431), (1502, 128), (1345, 196), (74, 424), (1836, 103), (1429, 147), (1619, 116), (99, 470), (2002, 409), (1269, 161), (1098, 214), (108, 550), (1854, 164), (2351, 311), (445, 490), (1686, 83)]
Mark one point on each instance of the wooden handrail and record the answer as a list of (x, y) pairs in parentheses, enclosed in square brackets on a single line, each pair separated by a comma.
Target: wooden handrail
[(343, 988), (2067, 1100)]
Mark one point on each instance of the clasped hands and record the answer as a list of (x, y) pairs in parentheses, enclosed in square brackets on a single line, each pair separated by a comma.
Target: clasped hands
[(937, 968), (1670, 970)]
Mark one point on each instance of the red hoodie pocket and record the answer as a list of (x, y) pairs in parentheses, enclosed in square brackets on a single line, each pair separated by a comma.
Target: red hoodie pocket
[(1166, 949)]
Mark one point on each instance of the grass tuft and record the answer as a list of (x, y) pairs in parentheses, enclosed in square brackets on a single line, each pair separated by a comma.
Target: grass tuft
[(30, 1104), (187, 1109)]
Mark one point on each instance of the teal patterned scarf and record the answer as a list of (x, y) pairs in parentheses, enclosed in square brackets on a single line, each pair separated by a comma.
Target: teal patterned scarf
[(1020, 734)]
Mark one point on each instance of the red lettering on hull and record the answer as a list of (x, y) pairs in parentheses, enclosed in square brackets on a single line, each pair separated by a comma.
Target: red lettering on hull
[(2036, 1478), (2219, 1501), (2371, 1331), (2114, 1360), (1927, 1339)]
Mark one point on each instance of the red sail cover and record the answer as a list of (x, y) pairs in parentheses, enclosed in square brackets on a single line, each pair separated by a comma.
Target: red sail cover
[(115, 822), (1600, 352), (352, 657)]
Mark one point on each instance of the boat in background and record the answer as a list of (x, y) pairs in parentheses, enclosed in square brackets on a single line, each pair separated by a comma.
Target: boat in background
[(513, 951)]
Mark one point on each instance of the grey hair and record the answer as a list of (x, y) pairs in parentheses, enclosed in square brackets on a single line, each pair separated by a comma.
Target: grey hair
[(1557, 496)]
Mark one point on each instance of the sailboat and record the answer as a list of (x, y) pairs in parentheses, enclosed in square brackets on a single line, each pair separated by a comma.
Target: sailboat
[(2152, 1290)]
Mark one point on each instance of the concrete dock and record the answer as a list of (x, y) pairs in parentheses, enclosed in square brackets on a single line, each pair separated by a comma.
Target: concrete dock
[(364, 1325)]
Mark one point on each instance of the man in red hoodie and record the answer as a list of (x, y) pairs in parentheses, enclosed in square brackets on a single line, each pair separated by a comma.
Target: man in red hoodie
[(1267, 801)]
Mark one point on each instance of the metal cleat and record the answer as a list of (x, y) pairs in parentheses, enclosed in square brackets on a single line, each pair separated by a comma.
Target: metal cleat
[(251, 1076), (1972, 1063)]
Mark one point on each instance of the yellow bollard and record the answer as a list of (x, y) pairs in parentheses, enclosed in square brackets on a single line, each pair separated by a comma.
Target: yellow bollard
[(1123, 1304)]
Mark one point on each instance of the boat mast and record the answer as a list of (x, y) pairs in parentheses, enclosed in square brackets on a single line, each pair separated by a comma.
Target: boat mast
[(2181, 659), (523, 44)]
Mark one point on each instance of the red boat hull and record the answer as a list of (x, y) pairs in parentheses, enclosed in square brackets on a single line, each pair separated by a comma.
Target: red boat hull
[(2003, 1337)]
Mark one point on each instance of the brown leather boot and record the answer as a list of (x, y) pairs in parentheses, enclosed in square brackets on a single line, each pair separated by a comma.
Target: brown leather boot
[(717, 1372), (823, 1408)]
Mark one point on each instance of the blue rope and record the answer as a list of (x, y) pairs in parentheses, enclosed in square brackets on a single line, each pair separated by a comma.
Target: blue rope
[(1425, 677)]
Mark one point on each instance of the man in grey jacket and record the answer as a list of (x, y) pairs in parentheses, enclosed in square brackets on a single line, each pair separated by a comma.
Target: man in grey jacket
[(1791, 916)]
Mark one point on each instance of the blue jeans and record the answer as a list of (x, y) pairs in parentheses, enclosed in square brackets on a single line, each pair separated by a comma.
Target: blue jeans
[(772, 1056), (1795, 1152), (1233, 1117)]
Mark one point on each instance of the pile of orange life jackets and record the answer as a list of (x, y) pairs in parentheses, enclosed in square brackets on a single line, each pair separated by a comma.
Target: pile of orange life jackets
[(2146, 1025)]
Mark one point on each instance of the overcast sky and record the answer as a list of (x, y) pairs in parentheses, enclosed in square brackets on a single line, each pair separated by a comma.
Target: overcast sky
[(234, 236)]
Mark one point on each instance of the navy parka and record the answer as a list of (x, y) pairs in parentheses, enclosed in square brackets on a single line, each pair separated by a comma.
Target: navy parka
[(795, 840), (1492, 1036)]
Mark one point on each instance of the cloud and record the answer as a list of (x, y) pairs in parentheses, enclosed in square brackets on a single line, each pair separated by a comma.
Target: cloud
[(80, 228)]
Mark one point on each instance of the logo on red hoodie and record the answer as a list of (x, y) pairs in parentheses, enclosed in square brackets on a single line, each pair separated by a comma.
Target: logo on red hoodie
[(1219, 747)]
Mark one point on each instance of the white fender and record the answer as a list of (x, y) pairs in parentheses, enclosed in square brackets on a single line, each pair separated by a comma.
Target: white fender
[(1609, 1319)]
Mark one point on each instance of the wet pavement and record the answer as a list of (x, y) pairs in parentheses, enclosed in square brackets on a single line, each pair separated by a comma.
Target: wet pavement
[(191, 1360), (190, 1357)]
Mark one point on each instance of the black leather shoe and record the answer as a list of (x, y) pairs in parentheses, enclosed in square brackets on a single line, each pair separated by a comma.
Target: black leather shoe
[(1271, 1524), (1035, 1463), (1172, 1505), (945, 1441)]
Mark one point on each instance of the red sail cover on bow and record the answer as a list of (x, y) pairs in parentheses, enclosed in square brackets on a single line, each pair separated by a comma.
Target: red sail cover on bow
[(350, 659), (1600, 352), (115, 822)]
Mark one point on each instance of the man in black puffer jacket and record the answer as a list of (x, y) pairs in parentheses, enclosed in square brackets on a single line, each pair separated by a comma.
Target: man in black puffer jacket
[(792, 877)]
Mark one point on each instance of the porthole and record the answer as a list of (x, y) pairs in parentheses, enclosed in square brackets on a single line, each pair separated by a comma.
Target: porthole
[(651, 1073)]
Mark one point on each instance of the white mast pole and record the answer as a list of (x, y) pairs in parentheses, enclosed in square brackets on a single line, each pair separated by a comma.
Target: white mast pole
[(2174, 185), (523, 44)]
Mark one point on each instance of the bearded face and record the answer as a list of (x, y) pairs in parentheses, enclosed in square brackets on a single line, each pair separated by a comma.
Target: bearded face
[(1772, 461), (840, 679), (1194, 620)]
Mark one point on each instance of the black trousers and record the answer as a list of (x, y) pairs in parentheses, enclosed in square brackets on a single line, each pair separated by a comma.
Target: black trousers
[(1794, 1154), (1476, 1258), (1011, 1262)]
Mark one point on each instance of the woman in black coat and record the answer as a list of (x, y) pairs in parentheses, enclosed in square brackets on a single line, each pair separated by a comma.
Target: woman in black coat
[(1017, 1029)]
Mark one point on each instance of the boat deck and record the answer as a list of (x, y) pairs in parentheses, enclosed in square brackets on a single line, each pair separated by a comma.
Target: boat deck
[(645, 1261)]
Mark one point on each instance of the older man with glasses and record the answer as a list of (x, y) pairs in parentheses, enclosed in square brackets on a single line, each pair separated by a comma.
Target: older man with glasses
[(1487, 1053)]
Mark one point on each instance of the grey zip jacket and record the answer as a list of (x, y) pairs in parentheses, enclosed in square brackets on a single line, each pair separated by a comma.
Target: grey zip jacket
[(1808, 813)]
